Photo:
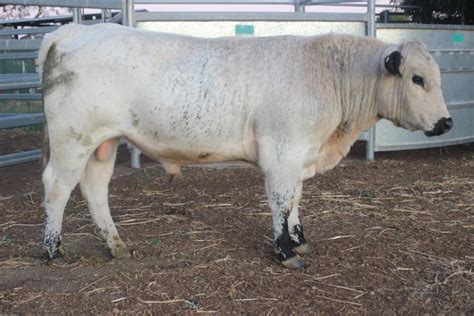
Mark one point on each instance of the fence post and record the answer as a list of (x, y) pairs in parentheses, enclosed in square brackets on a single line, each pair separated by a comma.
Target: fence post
[(76, 15), (106, 15), (130, 13), (371, 31), (128, 19), (299, 6)]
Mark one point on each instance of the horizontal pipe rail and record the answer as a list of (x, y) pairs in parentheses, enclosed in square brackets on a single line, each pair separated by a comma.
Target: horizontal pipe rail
[(441, 143), (12, 56), (269, 2), (456, 69), (424, 26), (28, 31), (19, 85), (260, 16), (461, 105), (21, 96), (18, 158), (13, 120), (19, 77), (93, 4), (452, 51), (31, 44)]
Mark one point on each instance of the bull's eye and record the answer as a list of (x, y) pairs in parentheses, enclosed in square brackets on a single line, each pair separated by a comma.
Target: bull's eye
[(418, 80)]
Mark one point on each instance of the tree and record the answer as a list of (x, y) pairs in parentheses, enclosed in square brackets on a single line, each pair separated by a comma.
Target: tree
[(14, 12), (439, 11)]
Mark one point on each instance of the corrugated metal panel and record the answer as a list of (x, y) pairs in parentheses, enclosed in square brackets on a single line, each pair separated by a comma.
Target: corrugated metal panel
[(261, 28)]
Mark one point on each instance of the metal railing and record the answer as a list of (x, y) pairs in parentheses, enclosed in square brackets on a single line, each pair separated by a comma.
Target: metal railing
[(27, 49), (11, 84)]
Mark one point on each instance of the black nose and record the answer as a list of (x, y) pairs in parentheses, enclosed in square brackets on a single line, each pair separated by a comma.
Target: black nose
[(441, 127), (447, 124)]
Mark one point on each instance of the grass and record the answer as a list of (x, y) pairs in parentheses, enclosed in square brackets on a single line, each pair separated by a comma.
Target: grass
[(148, 175), (156, 242), (33, 129), (7, 239)]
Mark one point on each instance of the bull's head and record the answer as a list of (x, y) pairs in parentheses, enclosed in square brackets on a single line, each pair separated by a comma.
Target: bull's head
[(409, 93)]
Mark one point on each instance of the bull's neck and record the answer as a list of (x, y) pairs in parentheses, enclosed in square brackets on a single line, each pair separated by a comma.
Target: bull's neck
[(388, 98), (361, 77)]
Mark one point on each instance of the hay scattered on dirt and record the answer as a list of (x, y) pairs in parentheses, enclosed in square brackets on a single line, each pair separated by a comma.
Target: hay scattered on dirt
[(390, 236)]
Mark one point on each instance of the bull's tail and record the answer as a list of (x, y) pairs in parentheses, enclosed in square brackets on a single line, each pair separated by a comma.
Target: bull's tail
[(48, 41), (46, 46)]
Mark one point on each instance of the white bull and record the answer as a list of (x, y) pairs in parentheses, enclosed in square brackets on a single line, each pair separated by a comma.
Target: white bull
[(290, 105)]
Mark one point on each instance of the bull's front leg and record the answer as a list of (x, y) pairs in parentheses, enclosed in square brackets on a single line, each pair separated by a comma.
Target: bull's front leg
[(282, 190), (295, 227), (282, 164)]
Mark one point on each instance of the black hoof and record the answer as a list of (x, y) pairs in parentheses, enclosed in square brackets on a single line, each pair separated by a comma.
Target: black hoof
[(293, 263)]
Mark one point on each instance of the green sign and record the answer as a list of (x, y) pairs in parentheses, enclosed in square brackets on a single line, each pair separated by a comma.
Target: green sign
[(458, 38), (244, 29)]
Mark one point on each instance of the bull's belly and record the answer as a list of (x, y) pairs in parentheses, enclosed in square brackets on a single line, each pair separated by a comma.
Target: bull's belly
[(186, 155), (184, 151), (189, 130)]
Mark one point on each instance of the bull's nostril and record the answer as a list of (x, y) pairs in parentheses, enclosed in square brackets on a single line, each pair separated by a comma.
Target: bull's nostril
[(449, 123)]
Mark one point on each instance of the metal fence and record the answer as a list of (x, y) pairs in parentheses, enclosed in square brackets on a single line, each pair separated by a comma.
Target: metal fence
[(452, 46), (18, 77)]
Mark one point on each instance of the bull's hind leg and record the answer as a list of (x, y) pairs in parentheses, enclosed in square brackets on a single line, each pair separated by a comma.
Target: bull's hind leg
[(60, 177), (94, 188)]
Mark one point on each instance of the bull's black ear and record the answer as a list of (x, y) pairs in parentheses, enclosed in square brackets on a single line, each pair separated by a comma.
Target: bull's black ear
[(392, 63)]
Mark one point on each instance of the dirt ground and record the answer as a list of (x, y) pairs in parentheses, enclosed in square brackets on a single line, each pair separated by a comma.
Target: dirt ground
[(393, 236)]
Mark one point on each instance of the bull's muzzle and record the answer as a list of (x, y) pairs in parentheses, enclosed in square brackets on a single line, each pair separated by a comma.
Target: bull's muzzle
[(441, 127)]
